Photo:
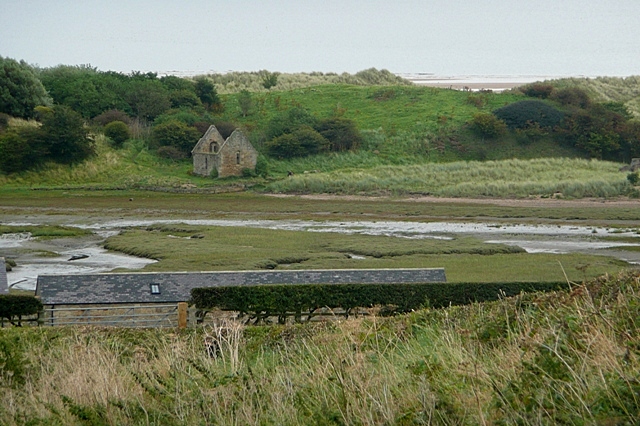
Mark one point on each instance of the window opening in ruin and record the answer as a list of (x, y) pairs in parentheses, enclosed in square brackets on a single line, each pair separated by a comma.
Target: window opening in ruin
[(237, 157)]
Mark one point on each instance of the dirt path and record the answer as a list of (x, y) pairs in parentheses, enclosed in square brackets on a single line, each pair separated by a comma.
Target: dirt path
[(533, 202)]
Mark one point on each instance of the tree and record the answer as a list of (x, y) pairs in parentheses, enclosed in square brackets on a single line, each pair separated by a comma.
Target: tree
[(176, 134), (269, 79), (147, 98), (65, 137), (118, 132), (206, 91), (245, 102), (21, 148), (20, 89), (342, 133)]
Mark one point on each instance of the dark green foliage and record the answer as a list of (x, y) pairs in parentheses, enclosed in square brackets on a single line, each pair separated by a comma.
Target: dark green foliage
[(112, 115), (289, 121), (488, 125), (147, 98), (285, 300), (633, 178), (117, 131), (262, 166), (538, 90), (342, 133), (176, 134), (86, 90), (184, 99), (269, 79), (572, 96), (207, 93), (66, 138), (245, 102), (4, 121), (596, 130), (171, 152), (302, 142), (12, 307), (20, 89), (21, 148), (520, 115)]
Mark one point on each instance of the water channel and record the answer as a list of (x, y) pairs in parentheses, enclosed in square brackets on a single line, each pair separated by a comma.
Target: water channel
[(85, 255)]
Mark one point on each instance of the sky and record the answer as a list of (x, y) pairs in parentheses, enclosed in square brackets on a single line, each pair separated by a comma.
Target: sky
[(441, 37)]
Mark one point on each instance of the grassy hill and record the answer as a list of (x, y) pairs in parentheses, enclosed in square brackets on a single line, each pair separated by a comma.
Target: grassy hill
[(557, 358), (410, 135)]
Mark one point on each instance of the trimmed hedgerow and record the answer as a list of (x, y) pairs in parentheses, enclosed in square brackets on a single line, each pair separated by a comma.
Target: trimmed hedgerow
[(13, 307), (281, 301)]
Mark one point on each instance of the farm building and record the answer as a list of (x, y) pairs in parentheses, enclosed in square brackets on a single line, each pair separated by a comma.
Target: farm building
[(228, 157), (158, 291)]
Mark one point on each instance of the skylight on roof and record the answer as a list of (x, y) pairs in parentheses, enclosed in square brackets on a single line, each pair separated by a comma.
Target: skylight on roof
[(155, 288)]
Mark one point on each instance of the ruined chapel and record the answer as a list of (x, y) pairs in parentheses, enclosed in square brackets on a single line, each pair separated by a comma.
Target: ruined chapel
[(229, 157)]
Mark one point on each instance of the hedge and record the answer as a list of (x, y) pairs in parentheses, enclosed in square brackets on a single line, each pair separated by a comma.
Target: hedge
[(261, 302), (13, 307)]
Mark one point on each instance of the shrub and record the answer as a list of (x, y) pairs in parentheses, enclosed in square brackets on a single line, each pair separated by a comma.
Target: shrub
[(538, 90), (262, 166), (171, 152), (110, 116), (523, 114), (633, 178), (245, 102), (302, 142), (342, 133), (572, 96), (269, 79), (118, 132), (488, 125), (184, 98), (291, 300), (13, 307), (176, 134), (289, 121), (4, 121)]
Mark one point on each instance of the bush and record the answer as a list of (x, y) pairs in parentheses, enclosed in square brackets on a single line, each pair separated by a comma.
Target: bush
[(538, 90), (488, 125), (262, 166), (633, 178), (342, 133), (66, 138), (292, 300), (520, 115), (13, 307), (302, 142), (118, 132), (110, 116), (289, 121), (572, 96), (184, 98), (4, 121), (176, 134), (171, 152)]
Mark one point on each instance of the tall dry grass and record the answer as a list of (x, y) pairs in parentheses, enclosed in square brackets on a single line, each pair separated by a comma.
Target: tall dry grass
[(559, 358)]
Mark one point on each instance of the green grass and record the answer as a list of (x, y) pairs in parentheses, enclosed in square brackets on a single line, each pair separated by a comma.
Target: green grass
[(557, 358), (502, 179), (465, 259), (44, 231)]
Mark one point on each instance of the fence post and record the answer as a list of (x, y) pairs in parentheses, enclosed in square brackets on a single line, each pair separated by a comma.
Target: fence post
[(182, 315)]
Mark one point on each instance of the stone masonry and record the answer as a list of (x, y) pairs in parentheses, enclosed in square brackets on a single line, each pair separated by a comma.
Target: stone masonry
[(228, 157)]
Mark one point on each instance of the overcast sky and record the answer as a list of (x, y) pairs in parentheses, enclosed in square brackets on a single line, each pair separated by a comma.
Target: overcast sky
[(444, 37)]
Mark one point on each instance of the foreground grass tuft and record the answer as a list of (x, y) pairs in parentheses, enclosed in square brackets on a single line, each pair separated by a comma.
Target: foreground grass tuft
[(566, 357)]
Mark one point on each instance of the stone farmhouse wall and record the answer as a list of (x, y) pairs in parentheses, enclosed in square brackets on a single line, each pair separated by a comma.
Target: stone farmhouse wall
[(228, 157)]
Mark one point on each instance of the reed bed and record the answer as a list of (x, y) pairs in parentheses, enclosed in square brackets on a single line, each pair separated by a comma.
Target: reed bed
[(570, 178), (557, 358)]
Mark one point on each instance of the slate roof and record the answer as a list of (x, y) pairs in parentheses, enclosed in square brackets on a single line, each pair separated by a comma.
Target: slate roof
[(4, 283), (122, 288)]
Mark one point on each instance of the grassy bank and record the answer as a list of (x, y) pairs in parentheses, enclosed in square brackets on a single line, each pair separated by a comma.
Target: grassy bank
[(559, 358), (572, 178), (465, 259)]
